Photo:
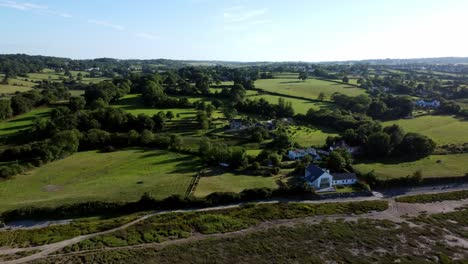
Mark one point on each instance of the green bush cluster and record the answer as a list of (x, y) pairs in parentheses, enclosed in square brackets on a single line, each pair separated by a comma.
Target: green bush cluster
[(56, 233), (433, 197), (181, 225)]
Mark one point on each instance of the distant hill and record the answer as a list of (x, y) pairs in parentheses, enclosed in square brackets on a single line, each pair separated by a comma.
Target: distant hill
[(22, 63)]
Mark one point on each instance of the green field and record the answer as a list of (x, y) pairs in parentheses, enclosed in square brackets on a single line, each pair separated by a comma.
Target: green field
[(117, 176), (15, 85), (48, 73), (300, 106), (133, 104), (307, 136), (449, 165), (229, 182), (23, 84), (442, 129), (23, 121), (310, 88)]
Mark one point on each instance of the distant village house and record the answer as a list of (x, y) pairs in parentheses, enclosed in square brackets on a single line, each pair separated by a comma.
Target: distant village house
[(236, 124), (427, 104), (296, 154)]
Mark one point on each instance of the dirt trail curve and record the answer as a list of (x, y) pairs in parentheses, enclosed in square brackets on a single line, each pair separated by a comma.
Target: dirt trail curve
[(394, 213)]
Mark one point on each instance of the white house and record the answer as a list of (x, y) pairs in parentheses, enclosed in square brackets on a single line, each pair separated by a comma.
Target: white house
[(427, 104), (296, 154), (236, 124), (320, 178), (344, 178), (317, 177)]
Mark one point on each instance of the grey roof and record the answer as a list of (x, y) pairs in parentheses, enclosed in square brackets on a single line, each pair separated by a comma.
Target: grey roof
[(344, 176), (315, 172)]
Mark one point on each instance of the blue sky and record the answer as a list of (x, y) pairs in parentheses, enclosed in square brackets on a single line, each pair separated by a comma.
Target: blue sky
[(240, 30)]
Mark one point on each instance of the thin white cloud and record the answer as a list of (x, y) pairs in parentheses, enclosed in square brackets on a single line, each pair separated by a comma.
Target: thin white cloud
[(41, 9), (240, 18), (106, 24), (21, 6), (146, 36)]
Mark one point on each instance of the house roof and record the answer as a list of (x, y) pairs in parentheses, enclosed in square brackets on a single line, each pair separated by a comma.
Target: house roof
[(314, 171), (311, 151), (344, 176)]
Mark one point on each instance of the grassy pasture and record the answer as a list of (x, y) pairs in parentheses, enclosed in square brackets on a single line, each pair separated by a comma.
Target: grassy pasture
[(15, 85), (309, 88), (229, 182), (300, 106), (449, 165), (307, 136), (442, 129), (23, 121), (85, 176), (286, 75), (133, 104)]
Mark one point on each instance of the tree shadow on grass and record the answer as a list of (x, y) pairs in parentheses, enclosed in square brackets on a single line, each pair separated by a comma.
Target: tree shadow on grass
[(389, 161), (15, 128), (180, 161), (191, 166), (291, 82), (29, 118)]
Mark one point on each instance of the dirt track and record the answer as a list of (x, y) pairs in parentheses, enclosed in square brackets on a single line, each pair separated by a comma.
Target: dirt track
[(393, 213)]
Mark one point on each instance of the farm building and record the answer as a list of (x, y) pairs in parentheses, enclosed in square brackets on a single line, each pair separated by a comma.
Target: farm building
[(320, 178), (342, 145), (296, 154), (236, 124), (344, 178), (427, 104)]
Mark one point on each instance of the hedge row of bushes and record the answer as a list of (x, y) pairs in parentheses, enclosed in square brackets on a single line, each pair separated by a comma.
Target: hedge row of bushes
[(147, 202), (433, 197), (409, 181)]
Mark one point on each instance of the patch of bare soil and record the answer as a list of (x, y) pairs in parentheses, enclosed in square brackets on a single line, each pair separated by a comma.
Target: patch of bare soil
[(415, 209), (455, 241)]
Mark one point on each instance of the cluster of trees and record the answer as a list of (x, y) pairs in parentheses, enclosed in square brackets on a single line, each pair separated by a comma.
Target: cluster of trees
[(154, 96), (216, 153), (262, 107), (383, 107), (105, 92), (74, 127), (391, 141), (337, 119), (234, 94), (448, 107), (22, 103), (60, 145)]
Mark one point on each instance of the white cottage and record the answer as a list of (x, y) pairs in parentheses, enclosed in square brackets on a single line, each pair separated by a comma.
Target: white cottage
[(296, 154), (320, 178), (344, 178)]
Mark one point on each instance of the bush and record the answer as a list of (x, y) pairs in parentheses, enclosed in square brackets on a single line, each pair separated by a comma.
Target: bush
[(433, 197)]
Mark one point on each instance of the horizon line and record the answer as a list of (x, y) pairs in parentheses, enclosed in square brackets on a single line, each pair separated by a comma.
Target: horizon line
[(242, 61)]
